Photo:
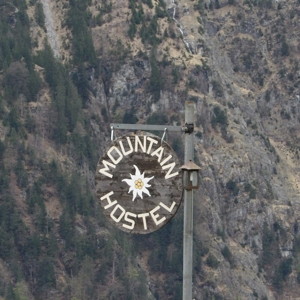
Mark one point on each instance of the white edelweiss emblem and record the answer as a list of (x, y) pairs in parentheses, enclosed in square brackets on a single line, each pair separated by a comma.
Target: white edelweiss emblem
[(138, 184)]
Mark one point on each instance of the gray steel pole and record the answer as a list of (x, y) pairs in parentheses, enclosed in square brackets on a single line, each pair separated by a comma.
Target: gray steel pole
[(188, 211)]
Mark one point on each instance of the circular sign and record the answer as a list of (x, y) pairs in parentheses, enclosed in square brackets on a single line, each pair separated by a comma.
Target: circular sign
[(138, 183)]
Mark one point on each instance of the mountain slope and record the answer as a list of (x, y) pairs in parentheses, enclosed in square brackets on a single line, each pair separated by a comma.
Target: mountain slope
[(69, 68)]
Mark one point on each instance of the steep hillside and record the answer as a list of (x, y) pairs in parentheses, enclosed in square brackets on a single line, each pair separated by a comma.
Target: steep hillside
[(69, 68)]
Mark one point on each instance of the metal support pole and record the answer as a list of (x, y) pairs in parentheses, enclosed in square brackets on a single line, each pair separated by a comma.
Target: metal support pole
[(188, 211)]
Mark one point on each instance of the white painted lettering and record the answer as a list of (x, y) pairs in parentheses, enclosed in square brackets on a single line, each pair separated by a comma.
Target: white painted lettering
[(156, 216), (107, 197), (105, 169), (165, 160), (129, 145), (118, 152), (112, 214), (139, 143), (170, 167), (131, 221), (143, 216), (152, 141), (159, 153), (169, 209)]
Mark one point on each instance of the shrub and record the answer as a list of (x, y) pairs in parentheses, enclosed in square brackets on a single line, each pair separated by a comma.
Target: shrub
[(228, 255), (156, 80), (130, 117), (232, 187), (217, 88), (83, 48), (176, 74), (284, 50), (39, 15), (160, 13), (283, 271), (199, 6), (132, 30), (269, 246), (6, 243), (251, 190), (16, 78), (247, 61), (45, 273), (219, 117), (212, 261), (2, 149), (148, 32), (268, 96)]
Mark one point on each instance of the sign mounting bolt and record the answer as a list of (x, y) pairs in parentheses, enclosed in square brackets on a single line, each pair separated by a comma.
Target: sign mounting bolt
[(188, 128)]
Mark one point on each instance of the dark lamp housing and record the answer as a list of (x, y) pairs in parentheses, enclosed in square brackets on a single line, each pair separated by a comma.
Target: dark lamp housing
[(190, 175)]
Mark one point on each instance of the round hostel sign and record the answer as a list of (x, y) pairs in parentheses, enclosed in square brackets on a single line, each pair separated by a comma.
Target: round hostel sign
[(138, 183)]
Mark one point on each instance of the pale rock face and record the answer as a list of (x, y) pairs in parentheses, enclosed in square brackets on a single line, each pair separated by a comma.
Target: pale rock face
[(53, 37)]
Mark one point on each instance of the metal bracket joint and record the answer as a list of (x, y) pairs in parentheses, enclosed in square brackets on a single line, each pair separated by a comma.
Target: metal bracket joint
[(188, 128)]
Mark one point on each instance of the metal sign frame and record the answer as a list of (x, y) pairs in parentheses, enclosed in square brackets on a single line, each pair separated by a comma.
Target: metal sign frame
[(188, 129)]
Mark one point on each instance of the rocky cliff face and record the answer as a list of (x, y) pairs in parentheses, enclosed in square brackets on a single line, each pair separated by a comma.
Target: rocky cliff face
[(239, 63)]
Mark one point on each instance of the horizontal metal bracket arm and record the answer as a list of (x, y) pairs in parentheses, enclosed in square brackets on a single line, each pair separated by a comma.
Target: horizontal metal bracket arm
[(147, 127)]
